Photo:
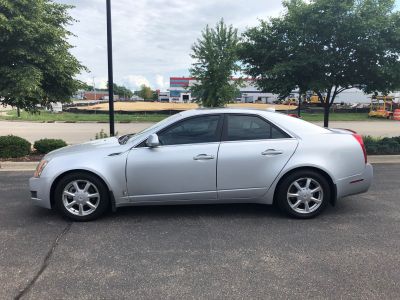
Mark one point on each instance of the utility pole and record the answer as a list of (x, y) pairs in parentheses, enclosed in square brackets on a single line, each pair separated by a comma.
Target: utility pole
[(94, 89), (110, 70)]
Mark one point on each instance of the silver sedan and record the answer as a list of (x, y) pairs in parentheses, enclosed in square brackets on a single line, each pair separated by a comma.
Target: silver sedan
[(207, 156)]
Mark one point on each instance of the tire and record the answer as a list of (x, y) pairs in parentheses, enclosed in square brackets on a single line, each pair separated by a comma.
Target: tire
[(88, 202), (309, 202)]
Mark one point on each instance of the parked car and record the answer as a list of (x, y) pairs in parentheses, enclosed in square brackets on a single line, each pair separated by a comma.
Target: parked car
[(207, 156)]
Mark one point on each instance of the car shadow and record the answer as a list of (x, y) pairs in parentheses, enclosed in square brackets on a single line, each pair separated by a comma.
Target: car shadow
[(198, 210), (343, 207)]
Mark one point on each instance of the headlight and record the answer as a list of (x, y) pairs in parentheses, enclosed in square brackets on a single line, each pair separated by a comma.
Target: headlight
[(40, 168)]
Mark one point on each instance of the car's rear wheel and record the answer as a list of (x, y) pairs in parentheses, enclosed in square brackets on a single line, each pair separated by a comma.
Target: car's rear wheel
[(81, 196), (303, 194)]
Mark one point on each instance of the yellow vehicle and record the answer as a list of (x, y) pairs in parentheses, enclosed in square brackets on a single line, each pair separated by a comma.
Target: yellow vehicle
[(381, 107), (291, 100), (314, 99)]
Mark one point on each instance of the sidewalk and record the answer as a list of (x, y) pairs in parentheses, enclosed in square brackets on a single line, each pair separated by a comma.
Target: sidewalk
[(71, 133), (31, 166), (75, 133)]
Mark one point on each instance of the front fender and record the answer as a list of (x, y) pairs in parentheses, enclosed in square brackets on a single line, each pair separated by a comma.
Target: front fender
[(111, 169)]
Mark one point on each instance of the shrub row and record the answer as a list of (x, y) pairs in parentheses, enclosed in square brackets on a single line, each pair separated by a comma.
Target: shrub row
[(44, 146), (381, 146), (12, 146)]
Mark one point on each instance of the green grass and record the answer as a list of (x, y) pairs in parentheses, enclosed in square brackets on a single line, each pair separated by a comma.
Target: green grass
[(45, 116), (319, 117)]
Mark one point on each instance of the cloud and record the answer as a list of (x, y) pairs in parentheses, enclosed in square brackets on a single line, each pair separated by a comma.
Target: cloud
[(135, 81), (98, 82), (161, 83), (152, 39)]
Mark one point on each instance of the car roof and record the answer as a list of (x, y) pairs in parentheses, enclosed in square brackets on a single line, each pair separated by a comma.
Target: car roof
[(217, 110)]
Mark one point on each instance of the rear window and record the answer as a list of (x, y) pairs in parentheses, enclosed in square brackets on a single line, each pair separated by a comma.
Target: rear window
[(295, 125)]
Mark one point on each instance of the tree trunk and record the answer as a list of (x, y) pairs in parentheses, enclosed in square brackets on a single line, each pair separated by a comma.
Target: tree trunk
[(18, 112), (299, 106), (326, 114)]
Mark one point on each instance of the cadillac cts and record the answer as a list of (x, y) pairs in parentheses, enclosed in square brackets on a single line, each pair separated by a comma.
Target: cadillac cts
[(207, 156)]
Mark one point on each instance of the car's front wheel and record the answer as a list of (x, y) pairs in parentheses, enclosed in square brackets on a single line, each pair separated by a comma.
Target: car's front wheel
[(81, 196), (303, 194)]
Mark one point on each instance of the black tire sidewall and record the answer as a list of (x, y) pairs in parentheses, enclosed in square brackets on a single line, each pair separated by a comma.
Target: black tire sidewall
[(102, 188), (288, 180)]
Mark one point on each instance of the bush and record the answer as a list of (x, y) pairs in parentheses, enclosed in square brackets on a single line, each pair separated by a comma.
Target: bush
[(47, 145), (101, 135), (381, 146), (12, 146)]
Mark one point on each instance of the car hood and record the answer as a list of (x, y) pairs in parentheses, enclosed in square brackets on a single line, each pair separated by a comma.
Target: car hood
[(85, 147)]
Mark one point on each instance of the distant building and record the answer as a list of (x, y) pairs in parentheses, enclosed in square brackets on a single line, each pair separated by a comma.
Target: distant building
[(79, 95), (164, 96), (353, 95), (136, 98), (179, 89), (98, 95), (249, 93)]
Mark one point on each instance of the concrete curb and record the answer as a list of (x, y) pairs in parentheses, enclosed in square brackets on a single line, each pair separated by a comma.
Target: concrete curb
[(11, 166), (18, 166), (384, 159)]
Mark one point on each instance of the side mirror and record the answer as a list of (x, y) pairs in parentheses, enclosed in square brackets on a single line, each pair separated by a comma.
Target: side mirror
[(153, 141)]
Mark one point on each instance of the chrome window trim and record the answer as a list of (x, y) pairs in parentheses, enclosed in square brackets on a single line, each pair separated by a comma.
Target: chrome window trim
[(259, 140), (177, 145), (223, 115)]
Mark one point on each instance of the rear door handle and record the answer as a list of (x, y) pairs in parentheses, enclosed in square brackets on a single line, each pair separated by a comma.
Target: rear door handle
[(203, 157), (271, 152)]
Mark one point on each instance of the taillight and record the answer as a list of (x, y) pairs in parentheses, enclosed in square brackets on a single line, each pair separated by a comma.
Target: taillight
[(361, 142)]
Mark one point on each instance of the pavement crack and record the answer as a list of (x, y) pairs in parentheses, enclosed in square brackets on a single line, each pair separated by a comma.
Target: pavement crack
[(45, 262)]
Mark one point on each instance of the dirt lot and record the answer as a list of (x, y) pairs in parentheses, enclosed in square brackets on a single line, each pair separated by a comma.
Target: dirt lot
[(152, 106)]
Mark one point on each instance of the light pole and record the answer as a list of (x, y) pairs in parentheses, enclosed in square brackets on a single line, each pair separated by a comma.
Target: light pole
[(94, 90), (110, 70)]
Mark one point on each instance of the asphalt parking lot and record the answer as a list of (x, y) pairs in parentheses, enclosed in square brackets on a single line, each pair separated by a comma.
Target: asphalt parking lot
[(212, 251)]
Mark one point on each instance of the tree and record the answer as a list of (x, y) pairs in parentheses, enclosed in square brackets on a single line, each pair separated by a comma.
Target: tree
[(326, 47), (216, 61), (155, 96), (36, 67), (145, 92), (87, 87), (121, 91)]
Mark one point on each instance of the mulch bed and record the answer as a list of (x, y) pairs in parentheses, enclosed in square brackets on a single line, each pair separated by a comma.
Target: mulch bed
[(28, 158)]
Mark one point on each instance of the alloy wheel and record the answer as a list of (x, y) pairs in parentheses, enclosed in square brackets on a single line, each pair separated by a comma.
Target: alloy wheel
[(305, 195), (81, 197)]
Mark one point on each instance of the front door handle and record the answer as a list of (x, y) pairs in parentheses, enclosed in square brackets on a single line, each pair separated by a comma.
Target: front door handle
[(203, 157), (271, 152)]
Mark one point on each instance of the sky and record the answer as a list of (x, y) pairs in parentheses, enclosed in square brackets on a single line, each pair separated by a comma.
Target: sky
[(152, 39)]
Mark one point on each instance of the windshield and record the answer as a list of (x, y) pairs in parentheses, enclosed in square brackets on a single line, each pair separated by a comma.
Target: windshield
[(125, 138)]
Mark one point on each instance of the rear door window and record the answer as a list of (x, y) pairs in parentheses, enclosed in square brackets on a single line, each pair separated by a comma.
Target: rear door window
[(247, 127)]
